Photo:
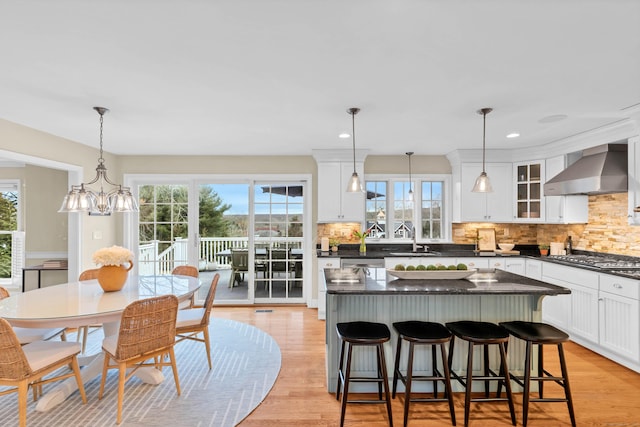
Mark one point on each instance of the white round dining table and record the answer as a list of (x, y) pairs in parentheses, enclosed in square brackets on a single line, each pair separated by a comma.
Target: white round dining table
[(83, 303)]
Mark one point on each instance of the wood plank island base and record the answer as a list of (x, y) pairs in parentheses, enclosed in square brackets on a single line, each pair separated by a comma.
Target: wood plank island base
[(487, 295)]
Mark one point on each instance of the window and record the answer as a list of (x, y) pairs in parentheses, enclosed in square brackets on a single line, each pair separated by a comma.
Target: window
[(162, 227), (392, 215), (9, 203)]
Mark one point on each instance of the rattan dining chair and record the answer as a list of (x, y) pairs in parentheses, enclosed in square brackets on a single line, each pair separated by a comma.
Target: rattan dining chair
[(24, 366), (186, 270), (147, 331), (193, 321), (27, 335), (83, 331)]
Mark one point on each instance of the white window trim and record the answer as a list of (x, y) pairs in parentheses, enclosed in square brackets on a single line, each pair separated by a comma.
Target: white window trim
[(417, 190)]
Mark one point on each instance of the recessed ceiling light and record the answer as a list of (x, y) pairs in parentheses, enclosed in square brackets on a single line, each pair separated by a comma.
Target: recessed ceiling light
[(344, 135), (513, 135), (554, 118)]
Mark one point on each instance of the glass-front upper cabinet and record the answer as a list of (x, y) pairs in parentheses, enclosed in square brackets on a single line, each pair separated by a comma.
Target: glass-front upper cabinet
[(529, 197)]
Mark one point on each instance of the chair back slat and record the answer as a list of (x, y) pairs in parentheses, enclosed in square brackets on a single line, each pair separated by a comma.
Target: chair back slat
[(147, 325), (90, 274), (185, 270), (208, 302), (13, 362)]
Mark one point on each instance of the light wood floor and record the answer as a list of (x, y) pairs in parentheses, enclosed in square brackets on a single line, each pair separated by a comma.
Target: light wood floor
[(605, 393)]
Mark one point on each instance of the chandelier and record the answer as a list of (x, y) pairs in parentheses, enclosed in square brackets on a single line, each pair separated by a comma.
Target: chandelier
[(83, 198)]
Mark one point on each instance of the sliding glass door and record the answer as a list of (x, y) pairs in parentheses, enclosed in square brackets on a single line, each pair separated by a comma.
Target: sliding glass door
[(224, 244), (278, 213), (252, 232)]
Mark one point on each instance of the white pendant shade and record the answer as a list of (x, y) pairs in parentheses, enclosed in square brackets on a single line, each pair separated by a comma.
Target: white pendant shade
[(482, 185), (354, 185)]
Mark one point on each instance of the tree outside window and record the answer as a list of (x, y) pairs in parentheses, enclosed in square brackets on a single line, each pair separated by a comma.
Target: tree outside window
[(8, 224)]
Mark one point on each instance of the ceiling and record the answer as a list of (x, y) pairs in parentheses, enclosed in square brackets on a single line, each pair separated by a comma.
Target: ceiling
[(275, 77)]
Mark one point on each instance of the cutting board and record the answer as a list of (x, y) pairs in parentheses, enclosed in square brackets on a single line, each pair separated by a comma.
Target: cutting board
[(507, 253)]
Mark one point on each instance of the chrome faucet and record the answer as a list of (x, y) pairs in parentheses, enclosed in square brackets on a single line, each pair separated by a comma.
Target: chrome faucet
[(413, 238)]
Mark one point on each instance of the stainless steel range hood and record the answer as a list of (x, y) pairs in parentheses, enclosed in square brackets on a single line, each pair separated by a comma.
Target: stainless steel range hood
[(600, 170)]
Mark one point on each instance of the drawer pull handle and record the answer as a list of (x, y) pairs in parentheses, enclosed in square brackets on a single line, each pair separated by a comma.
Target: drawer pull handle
[(617, 286)]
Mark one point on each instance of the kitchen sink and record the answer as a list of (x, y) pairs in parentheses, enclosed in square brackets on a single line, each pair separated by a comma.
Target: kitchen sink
[(415, 253)]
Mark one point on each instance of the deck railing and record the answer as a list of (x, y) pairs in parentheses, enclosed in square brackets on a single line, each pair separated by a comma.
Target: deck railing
[(151, 261)]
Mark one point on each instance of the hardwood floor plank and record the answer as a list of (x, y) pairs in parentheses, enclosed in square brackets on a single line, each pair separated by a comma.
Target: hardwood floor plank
[(605, 394)]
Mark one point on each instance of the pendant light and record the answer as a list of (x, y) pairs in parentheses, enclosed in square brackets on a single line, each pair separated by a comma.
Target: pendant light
[(82, 198), (410, 153), (483, 185), (355, 185)]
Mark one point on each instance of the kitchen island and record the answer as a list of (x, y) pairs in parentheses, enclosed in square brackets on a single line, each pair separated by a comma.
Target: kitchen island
[(373, 295)]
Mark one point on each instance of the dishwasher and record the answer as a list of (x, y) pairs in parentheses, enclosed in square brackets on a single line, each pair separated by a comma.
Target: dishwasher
[(373, 267)]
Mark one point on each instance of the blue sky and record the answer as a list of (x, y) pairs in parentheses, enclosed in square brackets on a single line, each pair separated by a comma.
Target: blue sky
[(237, 195)]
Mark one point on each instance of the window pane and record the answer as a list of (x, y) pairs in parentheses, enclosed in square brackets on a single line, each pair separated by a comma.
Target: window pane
[(375, 214), (431, 212)]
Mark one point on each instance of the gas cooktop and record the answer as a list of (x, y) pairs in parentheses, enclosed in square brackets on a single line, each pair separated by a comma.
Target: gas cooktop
[(619, 265)]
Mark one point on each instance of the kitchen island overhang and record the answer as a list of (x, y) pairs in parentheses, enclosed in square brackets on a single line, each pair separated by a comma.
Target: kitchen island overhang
[(372, 295)]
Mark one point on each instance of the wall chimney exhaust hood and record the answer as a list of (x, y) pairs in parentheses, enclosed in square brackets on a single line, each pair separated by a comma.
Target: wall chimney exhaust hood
[(600, 170)]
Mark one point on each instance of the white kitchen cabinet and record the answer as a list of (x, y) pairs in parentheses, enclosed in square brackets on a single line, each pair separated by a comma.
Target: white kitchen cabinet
[(570, 209), (335, 204), (527, 195), (633, 150), (533, 269), (602, 313), (619, 316), (514, 265), (486, 207), (582, 305), (556, 308), (322, 290), (583, 313)]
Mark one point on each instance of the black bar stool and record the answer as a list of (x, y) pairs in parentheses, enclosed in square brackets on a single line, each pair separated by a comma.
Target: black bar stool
[(484, 334), (363, 334), (423, 333), (540, 334)]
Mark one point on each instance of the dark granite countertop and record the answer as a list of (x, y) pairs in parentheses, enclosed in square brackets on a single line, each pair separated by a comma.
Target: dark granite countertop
[(483, 282), (379, 251)]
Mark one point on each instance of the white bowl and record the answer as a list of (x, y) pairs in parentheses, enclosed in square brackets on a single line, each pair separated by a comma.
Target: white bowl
[(506, 246)]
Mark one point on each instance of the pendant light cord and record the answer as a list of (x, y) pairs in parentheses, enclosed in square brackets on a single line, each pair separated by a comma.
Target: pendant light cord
[(484, 130), (353, 135)]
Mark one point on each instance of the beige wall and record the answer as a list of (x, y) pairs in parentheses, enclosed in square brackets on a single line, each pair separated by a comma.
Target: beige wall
[(41, 194), (400, 164), (46, 229)]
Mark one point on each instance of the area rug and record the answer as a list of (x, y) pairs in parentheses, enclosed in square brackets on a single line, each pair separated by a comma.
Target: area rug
[(246, 362)]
